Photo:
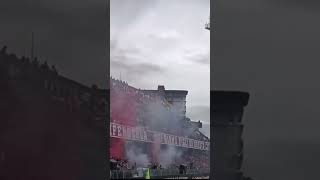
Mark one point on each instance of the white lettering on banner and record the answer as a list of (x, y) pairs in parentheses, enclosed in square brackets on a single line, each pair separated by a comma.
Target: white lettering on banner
[(145, 136), (186, 142), (135, 132), (161, 137), (119, 131), (140, 134), (129, 133), (177, 140), (114, 129), (172, 140), (110, 130), (124, 131)]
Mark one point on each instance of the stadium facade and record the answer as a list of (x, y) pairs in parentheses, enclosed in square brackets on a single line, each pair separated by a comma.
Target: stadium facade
[(159, 116), (50, 126), (37, 101)]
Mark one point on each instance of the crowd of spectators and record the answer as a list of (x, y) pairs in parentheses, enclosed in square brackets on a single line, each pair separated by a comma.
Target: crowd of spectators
[(183, 163), (141, 99), (199, 161), (121, 164), (25, 61), (140, 96)]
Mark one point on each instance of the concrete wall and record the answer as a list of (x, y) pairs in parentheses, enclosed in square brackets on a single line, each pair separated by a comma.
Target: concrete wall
[(226, 128)]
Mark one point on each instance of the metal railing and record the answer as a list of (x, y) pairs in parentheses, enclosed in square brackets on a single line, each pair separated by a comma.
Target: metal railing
[(123, 174), (158, 173)]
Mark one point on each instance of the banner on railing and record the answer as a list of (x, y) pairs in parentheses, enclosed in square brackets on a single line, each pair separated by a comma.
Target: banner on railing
[(142, 134)]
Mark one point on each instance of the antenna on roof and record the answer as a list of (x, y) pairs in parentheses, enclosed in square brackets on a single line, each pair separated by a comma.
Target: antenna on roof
[(32, 45)]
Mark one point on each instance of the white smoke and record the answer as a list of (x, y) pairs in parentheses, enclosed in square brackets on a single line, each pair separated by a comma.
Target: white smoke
[(136, 155), (158, 116), (169, 156)]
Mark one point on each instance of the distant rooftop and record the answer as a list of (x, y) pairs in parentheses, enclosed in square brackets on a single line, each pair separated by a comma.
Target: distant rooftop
[(161, 88), (229, 98)]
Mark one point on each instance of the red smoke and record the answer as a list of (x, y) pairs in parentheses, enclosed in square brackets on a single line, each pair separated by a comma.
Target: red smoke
[(123, 104)]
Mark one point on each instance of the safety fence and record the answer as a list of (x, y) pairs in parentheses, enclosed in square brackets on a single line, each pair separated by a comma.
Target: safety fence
[(158, 173)]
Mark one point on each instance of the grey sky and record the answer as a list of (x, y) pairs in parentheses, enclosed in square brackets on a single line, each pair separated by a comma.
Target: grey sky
[(270, 49), (70, 34), (164, 42)]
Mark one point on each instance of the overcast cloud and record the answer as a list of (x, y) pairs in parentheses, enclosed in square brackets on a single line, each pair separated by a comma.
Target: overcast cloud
[(163, 42), (71, 34)]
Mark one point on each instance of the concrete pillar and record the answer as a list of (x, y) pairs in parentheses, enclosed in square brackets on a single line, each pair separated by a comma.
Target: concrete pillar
[(227, 108)]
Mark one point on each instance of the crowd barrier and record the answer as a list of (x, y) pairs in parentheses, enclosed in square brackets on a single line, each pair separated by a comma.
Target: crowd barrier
[(157, 173)]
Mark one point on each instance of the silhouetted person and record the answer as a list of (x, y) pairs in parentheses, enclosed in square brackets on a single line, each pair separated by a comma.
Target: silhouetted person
[(247, 178), (35, 62), (53, 68), (191, 165), (45, 65), (4, 50), (181, 169), (94, 86), (13, 56), (27, 60), (23, 59)]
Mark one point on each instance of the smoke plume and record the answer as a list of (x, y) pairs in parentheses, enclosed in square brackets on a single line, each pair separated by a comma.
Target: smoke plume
[(169, 156), (135, 154)]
